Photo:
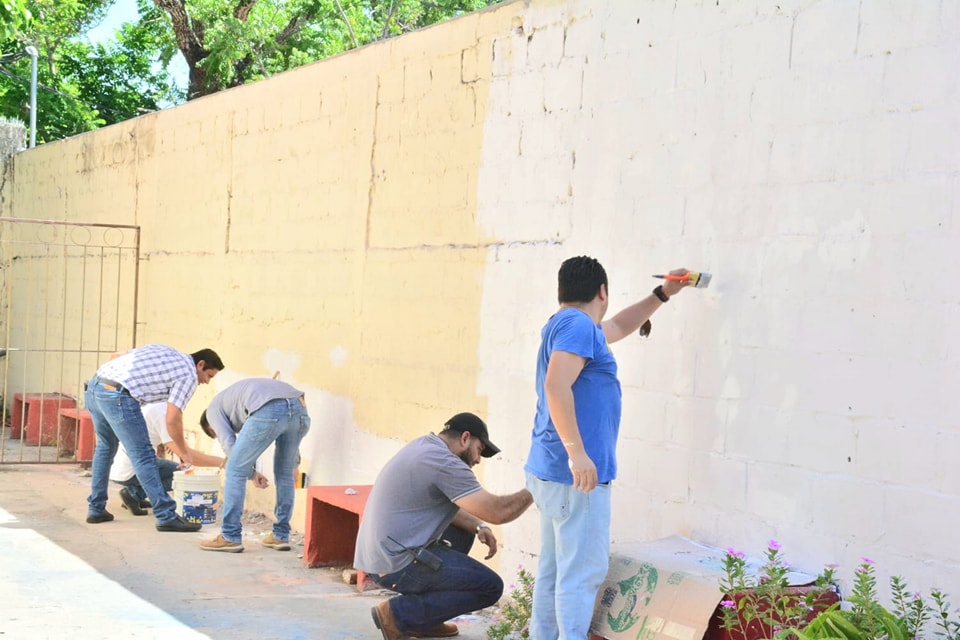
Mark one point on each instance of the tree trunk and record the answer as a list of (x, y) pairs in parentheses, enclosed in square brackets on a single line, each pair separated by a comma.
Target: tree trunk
[(189, 34)]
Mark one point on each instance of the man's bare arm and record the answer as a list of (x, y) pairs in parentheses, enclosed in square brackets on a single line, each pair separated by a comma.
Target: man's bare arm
[(627, 321), (467, 522), (175, 429), (562, 371), (496, 509), (179, 445), (197, 458)]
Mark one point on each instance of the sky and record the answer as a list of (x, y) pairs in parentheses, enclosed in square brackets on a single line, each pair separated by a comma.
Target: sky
[(121, 12), (124, 11)]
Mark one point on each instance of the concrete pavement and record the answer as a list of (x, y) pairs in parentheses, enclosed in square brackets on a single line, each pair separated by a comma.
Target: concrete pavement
[(63, 578)]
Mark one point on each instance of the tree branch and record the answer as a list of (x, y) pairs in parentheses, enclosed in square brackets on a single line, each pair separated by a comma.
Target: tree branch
[(243, 8), (353, 36), (386, 23), (189, 36)]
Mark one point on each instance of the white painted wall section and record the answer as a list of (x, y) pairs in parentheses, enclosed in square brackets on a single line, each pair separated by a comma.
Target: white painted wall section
[(807, 155)]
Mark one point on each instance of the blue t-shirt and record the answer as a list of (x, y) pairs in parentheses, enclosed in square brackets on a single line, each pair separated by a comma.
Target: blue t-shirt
[(596, 397)]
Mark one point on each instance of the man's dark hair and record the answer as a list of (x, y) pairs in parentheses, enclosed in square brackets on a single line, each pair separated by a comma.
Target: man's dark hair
[(210, 358), (205, 425), (579, 279)]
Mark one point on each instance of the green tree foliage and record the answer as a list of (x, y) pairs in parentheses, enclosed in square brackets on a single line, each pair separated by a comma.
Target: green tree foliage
[(13, 15), (227, 44), (82, 85)]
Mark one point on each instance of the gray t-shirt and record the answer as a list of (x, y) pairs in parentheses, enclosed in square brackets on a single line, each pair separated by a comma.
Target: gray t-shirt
[(229, 409), (412, 501)]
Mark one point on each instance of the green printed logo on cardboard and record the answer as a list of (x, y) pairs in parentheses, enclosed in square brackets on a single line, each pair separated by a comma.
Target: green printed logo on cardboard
[(637, 591)]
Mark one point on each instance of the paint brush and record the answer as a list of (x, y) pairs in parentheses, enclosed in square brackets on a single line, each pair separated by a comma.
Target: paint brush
[(696, 279)]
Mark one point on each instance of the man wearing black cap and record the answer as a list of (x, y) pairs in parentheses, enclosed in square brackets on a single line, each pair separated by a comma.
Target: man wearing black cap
[(421, 491)]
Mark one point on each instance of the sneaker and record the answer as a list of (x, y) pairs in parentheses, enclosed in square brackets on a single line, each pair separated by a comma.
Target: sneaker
[(221, 544), (179, 525), (273, 543), (97, 518), (130, 503)]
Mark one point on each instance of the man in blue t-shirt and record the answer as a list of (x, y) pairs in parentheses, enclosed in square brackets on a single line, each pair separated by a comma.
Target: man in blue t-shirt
[(573, 453)]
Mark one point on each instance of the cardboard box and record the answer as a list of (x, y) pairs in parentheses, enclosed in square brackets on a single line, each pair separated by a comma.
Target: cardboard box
[(667, 589)]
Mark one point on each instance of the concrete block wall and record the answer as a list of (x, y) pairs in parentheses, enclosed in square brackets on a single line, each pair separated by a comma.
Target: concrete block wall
[(384, 229), (788, 150)]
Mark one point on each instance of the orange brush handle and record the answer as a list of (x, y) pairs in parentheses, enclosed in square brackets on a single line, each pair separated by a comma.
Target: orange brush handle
[(668, 276)]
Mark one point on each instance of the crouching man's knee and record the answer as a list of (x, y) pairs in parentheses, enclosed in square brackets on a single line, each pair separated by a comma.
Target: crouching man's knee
[(492, 590)]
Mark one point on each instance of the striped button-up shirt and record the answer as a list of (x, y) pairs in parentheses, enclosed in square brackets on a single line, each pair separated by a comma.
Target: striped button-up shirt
[(154, 373)]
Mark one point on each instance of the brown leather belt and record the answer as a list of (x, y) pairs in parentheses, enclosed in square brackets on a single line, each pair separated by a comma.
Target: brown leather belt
[(111, 385)]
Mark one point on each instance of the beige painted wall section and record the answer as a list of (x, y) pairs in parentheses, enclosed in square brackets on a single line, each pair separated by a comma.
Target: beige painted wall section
[(320, 224)]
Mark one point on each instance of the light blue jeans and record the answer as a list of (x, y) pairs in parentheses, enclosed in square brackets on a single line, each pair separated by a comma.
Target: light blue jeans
[(117, 418), (574, 553), (282, 421)]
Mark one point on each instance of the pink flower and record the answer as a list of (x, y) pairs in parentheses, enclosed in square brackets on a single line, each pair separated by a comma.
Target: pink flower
[(733, 552), (866, 560), (774, 545), (728, 604)]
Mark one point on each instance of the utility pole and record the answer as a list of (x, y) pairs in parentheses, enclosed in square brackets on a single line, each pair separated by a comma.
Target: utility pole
[(33, 95)]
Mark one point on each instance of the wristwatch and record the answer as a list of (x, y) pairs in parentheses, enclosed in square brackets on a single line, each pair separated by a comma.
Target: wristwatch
[(481, 526)]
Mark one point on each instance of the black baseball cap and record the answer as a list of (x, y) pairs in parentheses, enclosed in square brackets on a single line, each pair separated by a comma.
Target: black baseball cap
[(472, 424)]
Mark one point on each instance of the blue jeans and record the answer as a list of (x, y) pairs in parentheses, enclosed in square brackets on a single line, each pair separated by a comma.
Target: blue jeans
[(430, 597), (574, 553), (166, 469), (283, 421), (117, 418)]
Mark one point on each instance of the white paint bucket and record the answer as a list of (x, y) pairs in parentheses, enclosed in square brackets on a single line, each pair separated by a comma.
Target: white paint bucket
[(197, 494)]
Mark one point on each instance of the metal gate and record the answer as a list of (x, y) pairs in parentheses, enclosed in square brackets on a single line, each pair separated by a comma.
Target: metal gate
[(68, 301)]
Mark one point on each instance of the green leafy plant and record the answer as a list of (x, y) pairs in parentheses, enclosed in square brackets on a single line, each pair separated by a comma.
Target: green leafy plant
[(865, 618), (947, 626), (910, 608), (513, 621), (763, 603)]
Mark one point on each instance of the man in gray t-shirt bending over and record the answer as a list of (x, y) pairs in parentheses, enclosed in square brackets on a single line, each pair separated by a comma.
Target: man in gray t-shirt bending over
[(422, 490), (246, 418)]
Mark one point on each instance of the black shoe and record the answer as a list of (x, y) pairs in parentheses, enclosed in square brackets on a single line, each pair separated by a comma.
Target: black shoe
[(106, 516), (145, 504), (178, 524), (131, 503)]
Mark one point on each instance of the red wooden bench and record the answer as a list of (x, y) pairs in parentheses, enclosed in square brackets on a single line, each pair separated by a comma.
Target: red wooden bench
[(334, 513), (76, 434), (35, 416)]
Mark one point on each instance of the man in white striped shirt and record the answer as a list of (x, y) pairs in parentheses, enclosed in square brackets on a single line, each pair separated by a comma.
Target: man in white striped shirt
[(152, 373)]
